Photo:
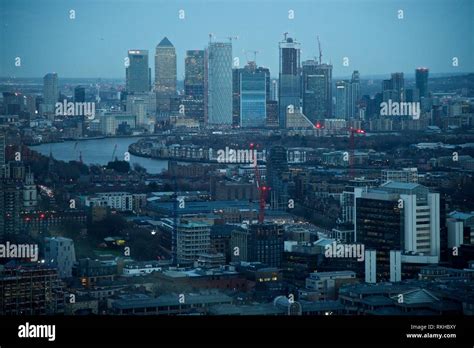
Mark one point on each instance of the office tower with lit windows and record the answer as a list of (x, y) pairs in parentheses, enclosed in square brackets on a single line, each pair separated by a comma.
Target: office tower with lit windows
[(317, 90), (30, 289), (253, 96), (219, 83), (50, 92), (194, 74), (165, 76), (343, 90), (30, 193), (289, 89), (267, 244), (194, 77), (261, 242), (11, 204), (399, 216), (277, 177), (138, 72)]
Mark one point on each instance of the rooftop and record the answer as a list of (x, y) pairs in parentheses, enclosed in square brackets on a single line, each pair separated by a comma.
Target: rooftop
[(400, 185), (165, 43), (140, 301)]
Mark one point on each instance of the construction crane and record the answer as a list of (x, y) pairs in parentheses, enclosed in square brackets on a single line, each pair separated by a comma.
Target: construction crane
[(254, 56), (113, 153), (230, 38), (352, 132), (75, 150), (320, 51), (262, 189)]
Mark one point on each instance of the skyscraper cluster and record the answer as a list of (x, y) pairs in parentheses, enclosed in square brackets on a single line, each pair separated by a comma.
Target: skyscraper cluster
[(347, 96), (219, 92)]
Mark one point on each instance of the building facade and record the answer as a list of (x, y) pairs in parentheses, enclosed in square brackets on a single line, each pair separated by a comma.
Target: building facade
[(289, 89), (165, 75), (219, 83), (138, 72), (253, 97)]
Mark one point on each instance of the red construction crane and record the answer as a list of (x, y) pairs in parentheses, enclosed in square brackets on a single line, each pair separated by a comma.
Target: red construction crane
[(262, 189), (353, 131)]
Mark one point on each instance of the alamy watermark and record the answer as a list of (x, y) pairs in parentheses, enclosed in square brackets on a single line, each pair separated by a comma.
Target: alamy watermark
[(339, 250), (229, 155), (37, 331), (20, 251), (393, 108), (75, 109)]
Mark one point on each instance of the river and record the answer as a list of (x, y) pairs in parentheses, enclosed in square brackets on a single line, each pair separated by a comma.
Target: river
[(99, 151)]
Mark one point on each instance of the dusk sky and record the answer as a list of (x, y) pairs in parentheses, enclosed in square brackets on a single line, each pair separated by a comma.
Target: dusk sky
[(368, 32)]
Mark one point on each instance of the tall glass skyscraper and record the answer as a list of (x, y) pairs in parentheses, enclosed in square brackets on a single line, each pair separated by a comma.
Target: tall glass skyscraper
[(347, 96), (312, 83), (253, 96), (236, 72), (421, 77), (219, 83), (289, 89), (354, 95), (274, 90), (342, 96), (138, 72), (194, 88), (321, 83), (398, 85), (165, 74), (50, 92), (194, 74), (277, 179)]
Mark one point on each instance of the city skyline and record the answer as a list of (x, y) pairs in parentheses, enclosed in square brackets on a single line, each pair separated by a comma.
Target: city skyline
[(237, 159), (89, 33)]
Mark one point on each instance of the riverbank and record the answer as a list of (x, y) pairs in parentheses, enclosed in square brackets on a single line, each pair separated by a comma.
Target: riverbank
[(100, 152), (95, 138)]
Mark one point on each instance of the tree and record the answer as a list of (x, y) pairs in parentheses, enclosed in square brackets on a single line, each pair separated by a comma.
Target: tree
[(110, 226), (119, 166), (138, 168)]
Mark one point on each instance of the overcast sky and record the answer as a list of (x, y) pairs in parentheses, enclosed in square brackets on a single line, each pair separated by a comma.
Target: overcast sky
[(368, 32)]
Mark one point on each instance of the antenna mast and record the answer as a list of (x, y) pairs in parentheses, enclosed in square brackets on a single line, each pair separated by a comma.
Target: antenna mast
[(320, 51)]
